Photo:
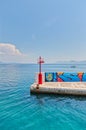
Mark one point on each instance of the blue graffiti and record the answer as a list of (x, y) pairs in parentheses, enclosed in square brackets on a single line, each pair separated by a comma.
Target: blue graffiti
[(69, 77), (65, 77), (84, 77)]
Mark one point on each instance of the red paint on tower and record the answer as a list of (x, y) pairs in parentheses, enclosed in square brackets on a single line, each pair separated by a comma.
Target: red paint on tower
[(40, 76)]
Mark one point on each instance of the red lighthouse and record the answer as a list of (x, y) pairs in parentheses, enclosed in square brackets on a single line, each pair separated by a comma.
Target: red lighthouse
[(40, 76)]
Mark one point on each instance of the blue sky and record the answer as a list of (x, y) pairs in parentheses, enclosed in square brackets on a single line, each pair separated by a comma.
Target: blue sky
[(54, 29)]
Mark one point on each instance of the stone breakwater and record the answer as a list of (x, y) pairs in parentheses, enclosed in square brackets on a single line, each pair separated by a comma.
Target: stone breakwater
[(71, 88)]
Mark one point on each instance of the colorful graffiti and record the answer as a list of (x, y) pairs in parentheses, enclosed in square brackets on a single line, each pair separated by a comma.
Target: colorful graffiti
[(65, 77)]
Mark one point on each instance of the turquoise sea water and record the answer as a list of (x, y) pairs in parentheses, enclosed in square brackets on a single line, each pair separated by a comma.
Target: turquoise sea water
[(19, 110)]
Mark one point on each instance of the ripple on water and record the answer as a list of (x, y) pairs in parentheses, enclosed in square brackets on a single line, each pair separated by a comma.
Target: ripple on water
[(21, 111)]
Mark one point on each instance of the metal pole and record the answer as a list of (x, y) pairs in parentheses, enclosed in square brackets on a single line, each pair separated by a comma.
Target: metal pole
[(40, 68), (40, 64), (40, 71)]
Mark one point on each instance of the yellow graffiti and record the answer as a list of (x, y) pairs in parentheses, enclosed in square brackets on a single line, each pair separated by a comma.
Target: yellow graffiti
[(60, 73), (80, 72), (49, 77)]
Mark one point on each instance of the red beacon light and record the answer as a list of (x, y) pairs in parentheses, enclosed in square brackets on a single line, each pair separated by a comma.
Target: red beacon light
[(40, 76)]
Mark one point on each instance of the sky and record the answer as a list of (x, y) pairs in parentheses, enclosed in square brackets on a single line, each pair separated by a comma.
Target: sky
[(53, 29)]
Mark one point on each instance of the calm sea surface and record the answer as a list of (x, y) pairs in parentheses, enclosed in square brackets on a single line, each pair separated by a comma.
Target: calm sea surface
[(19, 110)]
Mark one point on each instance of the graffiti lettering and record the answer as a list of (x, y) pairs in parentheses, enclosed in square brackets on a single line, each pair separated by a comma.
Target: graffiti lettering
[(65, 77)]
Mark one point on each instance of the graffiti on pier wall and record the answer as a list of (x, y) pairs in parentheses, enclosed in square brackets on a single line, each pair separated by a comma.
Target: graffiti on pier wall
[(65, 77)]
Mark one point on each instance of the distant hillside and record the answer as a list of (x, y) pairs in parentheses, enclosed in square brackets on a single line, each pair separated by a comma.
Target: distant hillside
[(71, 62)]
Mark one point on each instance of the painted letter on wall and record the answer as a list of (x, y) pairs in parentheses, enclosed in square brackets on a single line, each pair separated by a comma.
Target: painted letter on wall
[(65, 77)]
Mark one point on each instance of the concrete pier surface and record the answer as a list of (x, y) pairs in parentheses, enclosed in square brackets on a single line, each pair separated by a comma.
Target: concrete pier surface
[(71, 88)]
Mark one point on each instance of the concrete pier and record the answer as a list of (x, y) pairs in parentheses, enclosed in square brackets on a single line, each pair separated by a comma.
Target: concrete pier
[(71, 88), (73, 83)]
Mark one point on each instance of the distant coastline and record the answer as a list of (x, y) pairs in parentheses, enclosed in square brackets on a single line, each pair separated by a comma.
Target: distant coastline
[(72, 62), (58, 62)]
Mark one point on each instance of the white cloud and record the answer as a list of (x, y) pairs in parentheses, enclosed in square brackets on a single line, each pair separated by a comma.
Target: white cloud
[(9, 49), (9, 53)]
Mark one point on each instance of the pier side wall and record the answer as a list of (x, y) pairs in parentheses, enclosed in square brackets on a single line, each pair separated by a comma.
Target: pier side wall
[(64, 77)]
